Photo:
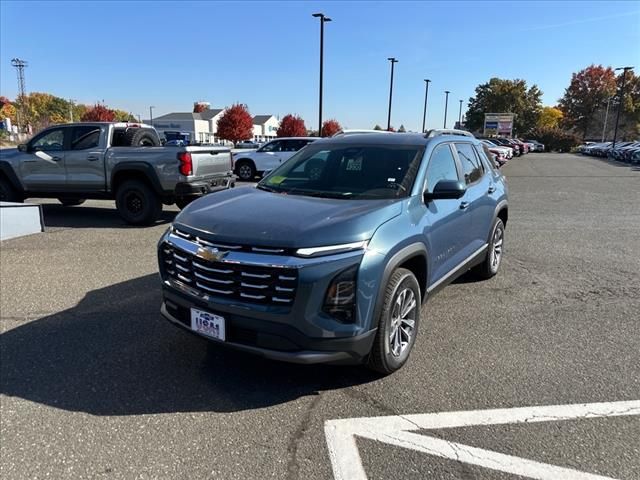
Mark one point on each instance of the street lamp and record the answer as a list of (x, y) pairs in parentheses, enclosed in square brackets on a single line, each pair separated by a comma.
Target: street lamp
[(620, 102), (393, 62), (151, 114), (460, 116), (426, 94), (323, 20), (606, 117), (446, 105)]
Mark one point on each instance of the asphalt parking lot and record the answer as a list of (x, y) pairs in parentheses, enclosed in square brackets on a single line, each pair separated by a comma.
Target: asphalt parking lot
[(95, 384)]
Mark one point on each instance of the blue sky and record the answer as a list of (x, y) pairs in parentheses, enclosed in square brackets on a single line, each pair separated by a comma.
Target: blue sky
[(265, 54)]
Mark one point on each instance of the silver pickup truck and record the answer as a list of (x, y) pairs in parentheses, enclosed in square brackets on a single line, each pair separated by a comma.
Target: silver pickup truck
[(120, 161)]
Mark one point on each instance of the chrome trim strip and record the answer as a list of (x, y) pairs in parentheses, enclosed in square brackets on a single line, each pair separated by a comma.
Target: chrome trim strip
[(208, 289), (183, 278), (283, 300), (249, 285), (267, 250), (184, 269), (284, 277), (282, 289), (255, 275), (218, 245), (213, 280), (255, 297), (209, 269), (457, 267), (182, 259)]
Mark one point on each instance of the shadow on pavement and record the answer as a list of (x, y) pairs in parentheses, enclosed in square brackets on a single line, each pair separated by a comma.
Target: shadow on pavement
[(91, 217), (113, 354)]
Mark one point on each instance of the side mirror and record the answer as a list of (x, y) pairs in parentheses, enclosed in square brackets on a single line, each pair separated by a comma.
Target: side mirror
[(23, 147), (446, 190)]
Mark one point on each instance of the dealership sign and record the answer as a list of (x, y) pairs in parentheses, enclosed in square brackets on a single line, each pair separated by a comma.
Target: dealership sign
[(498, 124)]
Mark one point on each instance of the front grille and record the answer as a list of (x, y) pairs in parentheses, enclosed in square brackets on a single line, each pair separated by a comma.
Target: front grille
[(238, 281)]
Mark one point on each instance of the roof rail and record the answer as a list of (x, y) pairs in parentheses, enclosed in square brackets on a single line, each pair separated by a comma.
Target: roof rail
[(436, 132)]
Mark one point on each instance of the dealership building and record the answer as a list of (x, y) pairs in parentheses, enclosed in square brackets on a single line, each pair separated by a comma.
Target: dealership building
[(202, 127)]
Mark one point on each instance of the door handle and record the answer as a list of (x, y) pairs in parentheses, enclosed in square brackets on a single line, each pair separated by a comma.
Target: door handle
[(56, 159), (491, 189), (464, 205), (92, 158)]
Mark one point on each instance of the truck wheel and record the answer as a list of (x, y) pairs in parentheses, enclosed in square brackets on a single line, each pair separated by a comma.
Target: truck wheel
[(71, 202), (141, 137), (137, 203), (7, 192), (491, 264), (245, 170), (398, 323)]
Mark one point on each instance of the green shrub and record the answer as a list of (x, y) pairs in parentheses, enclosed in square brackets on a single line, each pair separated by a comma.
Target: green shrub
[(555, 139)]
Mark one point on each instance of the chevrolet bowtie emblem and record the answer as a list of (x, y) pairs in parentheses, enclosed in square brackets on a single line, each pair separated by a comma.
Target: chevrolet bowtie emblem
[(210, 254)]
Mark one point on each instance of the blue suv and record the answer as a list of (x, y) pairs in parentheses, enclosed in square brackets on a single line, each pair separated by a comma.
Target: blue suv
[(331, 256)]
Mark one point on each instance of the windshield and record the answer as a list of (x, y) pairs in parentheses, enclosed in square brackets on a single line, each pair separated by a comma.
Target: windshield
[(348, 171)]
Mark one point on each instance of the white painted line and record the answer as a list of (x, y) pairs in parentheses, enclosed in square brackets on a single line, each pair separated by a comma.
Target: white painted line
[(395, 430)]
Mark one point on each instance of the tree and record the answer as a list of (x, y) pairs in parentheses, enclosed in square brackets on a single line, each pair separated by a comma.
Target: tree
[(588, 91), (330, 128), (99, 113), (550, 117), (291, 126), (123, 116), (199, 107), (505, 96), (377, 127), (235, 124), (402, 129)]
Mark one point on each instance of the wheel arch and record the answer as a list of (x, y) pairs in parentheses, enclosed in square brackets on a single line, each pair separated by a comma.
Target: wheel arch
[(7, 172), (135, 171)]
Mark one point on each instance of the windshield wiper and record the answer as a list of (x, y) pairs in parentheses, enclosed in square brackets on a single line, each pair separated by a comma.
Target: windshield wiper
[(268, 189)]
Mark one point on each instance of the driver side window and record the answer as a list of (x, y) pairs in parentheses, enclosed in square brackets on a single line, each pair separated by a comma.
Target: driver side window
[(442, 166), (53, 140), (272, 147)]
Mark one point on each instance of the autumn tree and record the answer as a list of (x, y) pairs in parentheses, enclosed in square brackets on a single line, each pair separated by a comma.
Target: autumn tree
[(550, 117), (123, 116), (235, 124), (199, 107), (588, 91), (377, 127), (505, 96), (330, 128), (99, 113), (402, 129), (7, 110), (291, 126)]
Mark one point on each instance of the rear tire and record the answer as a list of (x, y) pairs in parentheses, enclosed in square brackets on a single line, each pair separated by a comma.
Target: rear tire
[(8, 193), (183, 202), (489, 268), (398, 323), (141, 137), (245, 170), (71, 202), (137, 203)]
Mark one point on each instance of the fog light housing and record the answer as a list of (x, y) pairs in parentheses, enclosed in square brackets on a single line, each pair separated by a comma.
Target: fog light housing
[(340, 299)]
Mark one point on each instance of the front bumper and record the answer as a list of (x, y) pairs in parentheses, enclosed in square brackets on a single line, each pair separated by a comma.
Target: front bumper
[(270, 340), (203, 187)]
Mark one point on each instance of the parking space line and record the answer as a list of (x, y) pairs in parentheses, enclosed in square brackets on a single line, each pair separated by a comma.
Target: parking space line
[(396, 430)]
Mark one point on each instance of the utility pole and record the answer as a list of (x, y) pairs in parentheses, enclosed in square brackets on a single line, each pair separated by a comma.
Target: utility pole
[(460, 116), (606, 118), (71, 104), (151, 115), (424, 113), (620, 102), (446, 105), (323, 19), (20, 66), (393, 62)]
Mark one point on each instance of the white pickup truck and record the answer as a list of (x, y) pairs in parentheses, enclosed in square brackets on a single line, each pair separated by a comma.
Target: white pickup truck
[(107, 160)]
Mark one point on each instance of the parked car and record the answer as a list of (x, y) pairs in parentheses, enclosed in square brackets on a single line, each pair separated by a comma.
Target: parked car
[(502, 154), (268, 157), (537, 146), (336, 268), (248, 144), (76, 161), (524, 148), (505, 142)]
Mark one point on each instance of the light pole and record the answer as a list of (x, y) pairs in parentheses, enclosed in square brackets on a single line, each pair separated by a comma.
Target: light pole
[(323, 20), (460, 116), (393, 62), (424, 113), (71, 104), (446, 105), (151, 114), (620, 103), (606, 118)]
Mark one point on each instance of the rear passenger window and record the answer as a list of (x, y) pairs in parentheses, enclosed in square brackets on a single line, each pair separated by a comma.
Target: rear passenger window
[(442, 166), (471, 167), (486, 156), (85, 137)]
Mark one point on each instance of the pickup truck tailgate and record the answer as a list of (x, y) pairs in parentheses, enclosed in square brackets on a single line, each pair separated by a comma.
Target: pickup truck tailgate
[(210, 160)]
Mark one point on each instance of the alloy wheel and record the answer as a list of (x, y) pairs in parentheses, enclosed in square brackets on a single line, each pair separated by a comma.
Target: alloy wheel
[(403, 321)]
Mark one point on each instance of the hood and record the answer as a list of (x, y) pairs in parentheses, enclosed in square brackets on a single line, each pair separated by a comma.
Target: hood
[(250, 216), (7, 153)]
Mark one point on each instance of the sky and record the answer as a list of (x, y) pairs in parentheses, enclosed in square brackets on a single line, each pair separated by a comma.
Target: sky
[(266, 54)]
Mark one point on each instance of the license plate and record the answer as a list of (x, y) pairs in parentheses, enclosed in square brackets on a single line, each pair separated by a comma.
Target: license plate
[(208, 324)]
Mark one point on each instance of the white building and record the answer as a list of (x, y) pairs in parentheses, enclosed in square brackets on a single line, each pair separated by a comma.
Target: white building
[(203, 127)]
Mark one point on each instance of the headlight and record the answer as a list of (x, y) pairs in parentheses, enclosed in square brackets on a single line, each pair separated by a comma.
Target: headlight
[(340, 299), (331, 249)]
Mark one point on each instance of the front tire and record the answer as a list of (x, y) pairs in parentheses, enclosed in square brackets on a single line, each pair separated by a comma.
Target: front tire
[(245, 170), (398, 323), (137, 203), (7, 192)]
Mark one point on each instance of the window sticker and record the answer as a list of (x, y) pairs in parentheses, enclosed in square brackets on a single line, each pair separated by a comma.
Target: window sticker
[(354, 164)]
